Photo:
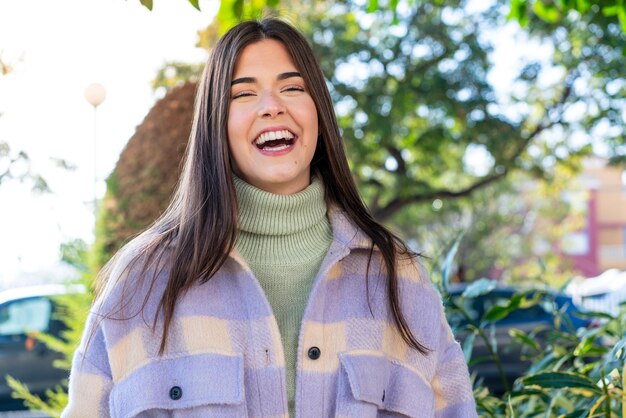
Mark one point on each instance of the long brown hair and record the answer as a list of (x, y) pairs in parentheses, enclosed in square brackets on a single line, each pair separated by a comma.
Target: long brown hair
[(202, 215)]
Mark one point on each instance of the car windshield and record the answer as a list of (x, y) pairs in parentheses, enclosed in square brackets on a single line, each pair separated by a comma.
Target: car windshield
[(24, 316)]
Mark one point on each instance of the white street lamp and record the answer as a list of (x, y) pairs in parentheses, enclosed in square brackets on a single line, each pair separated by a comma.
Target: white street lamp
[(95, 95)]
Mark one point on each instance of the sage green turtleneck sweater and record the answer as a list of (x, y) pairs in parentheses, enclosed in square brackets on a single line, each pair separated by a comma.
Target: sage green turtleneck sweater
[(284, 240)]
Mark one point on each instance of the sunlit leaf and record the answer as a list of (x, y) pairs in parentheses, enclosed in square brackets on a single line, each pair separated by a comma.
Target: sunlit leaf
[(561, 380), (594, 315), (147, 4), (621, 14), (523, 338), (619, 350), (448, 263), (498, 312), (610, 10), (195, 4), (545, 12), (579, 413), (479, 287)]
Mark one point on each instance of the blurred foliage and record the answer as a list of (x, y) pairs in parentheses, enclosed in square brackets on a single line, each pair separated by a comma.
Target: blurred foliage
[(233, 11), (414, 98), (72, 309), (140, 187), (175, 74), (5, 66), (15, 165), (553, 11), (575, 372), (512, 230)]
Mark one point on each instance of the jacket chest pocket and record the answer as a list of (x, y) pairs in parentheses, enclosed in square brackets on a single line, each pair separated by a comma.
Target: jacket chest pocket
[(372, 386), (201, 385)]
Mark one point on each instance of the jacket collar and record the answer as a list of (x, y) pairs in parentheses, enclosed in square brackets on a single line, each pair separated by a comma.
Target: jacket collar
[(346, 232)]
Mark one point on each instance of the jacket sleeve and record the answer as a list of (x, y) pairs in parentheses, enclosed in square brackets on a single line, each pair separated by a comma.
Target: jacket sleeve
[(90, 377), (451, 383)]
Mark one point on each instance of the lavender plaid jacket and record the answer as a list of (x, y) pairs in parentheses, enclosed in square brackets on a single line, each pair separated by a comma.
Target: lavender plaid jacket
[(224, 356)]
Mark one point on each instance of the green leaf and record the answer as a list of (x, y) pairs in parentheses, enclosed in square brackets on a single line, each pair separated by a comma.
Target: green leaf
[(621, 14), (372, 6), (227, 14), (619, 350), (393, 4), (523, 338), (238, 8), (583, 347), (147, 4), (610, 10), (579, 413), (448, 262), (479, 287), (548, 13), (468, 346), (561, 380), (195, 4), (516, 10), (594, 315), (528, 392), (582, 6), (498, 312)]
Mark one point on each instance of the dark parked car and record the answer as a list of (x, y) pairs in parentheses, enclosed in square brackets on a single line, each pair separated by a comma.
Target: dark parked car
[(536, 320), (24, 313)]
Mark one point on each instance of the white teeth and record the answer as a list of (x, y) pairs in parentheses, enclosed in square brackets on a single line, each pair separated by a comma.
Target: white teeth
[(273, 135)]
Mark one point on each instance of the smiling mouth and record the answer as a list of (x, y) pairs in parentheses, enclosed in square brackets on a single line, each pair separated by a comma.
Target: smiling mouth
[(275, 140)]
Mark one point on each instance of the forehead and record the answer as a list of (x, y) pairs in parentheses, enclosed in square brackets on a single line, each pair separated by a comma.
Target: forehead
[(266, 54)]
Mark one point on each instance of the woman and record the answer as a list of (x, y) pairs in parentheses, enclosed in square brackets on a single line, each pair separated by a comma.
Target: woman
[(267, 289)]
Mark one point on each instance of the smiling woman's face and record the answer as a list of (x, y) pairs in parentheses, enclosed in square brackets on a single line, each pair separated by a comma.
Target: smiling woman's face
[(272, 120)]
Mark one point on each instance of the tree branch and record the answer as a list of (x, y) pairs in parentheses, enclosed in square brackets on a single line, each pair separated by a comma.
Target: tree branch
[(397, 155), (396, 204)]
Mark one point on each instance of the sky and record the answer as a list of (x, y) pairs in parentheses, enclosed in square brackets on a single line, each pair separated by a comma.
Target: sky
[(57, 49)]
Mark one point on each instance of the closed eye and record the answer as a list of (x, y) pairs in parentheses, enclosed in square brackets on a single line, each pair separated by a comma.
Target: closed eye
[(242, 94), (293, 88)]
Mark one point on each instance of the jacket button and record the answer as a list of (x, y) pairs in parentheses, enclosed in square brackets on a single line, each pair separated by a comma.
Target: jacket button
[(176, 393), (314, 353)]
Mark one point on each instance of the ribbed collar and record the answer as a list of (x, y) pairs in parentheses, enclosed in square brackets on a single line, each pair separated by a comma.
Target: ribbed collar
[(282, 229), (265, 213)]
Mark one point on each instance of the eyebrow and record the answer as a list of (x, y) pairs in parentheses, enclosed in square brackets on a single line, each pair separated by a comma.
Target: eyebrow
[(281, 76)]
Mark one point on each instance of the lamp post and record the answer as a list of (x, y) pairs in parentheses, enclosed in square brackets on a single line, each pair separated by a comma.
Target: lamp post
[(95, 95)]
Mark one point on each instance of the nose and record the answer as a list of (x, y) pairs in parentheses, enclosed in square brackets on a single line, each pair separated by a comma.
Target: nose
[(270, 106)]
